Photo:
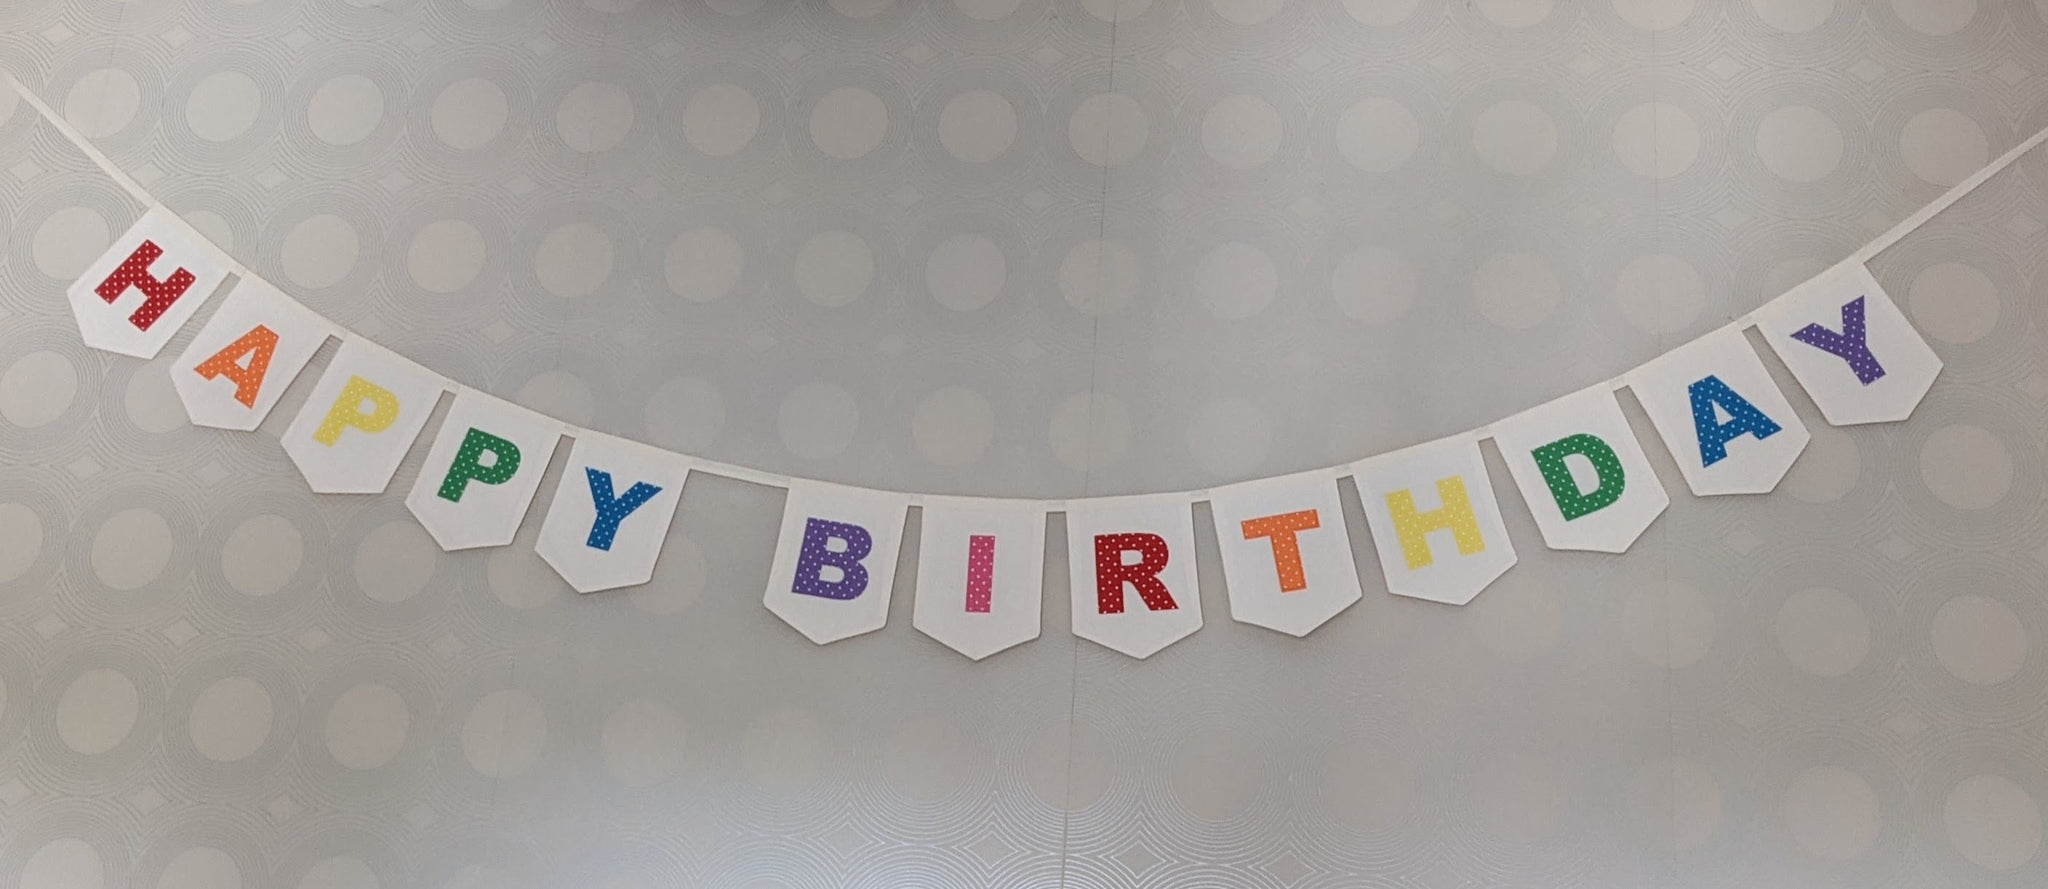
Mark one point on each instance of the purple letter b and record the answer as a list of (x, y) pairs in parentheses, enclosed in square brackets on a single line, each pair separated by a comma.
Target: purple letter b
[(817, 555)]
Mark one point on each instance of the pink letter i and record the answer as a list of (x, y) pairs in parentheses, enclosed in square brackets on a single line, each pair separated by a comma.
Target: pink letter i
[(981, 572)]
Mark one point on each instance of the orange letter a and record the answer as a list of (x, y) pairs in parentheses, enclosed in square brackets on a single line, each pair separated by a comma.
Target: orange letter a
[(258, 343)]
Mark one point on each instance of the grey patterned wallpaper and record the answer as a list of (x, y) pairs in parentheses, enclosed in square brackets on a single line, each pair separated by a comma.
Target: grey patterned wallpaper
[(1030, 248)]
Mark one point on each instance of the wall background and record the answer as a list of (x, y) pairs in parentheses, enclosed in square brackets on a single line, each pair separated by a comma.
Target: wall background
[(1004, 247)]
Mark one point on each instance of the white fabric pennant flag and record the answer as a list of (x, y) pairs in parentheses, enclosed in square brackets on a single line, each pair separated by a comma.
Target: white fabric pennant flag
[(1434, 520), (1132, 568), (980, 573), (1850, 347), (611, 512), (361, 418), (248, 353), (1728, 427), (835, 560), (147, 285), (482, 471), (1286, 556), (1582, 472)]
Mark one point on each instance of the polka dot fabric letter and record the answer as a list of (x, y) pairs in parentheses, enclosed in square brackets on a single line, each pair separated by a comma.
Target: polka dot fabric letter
[(244, 362), (137, 295), (1281, 530), (819, 555), (1574, 501), (835, 560), (1852, 344), (980, 573), (1582, 472), (612, 507), (1413, 526), (1434, 520), (1287, 559), (1131, 564), (134, 273), (241, 361), (1726, 424), (610, 515), (360, 419), (470, 465), (1850, 347), (362, 405), (482, 472), (1113, 571), (1710, 398)]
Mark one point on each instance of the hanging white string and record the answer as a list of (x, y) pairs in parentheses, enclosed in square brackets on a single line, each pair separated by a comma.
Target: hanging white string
[(775, 479)]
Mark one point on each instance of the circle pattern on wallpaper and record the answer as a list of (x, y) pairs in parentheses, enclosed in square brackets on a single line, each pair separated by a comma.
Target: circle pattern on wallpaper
[(1378, 135), (685, 414), (201, 867), (503, 735), (1993, 822), (97, 711), (849, 122), (231, 719), (446, 255), (22, 528), (1374, 284), (953, 426), (69, 240), (1099, 277), (1823, 631), (1966, 467), (1516, 290), (644, 743), (1516, 137), (101, 103), (966, 272), (366, 727), (1954, 302), (1979, 640), (1656, 140), (345, 110), (470, 113), (37, 389), (1109, 129), (721, 119), (1793, 16), (65, 863), (1799, 143), (1831, 813), (976, 246), (262, 554), (132, 548), (1675, 804), (978, 126)]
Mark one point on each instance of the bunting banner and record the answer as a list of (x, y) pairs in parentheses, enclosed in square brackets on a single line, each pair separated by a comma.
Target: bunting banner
[(1286, 556), (611, 512), (361, 418), (835, 560), (1131, 563), (1430, 510), (482, 471), (1726, 424), (240, 363), (1434, 520), (980, 573), (1850, 347), (1582, 472), (138, 294)]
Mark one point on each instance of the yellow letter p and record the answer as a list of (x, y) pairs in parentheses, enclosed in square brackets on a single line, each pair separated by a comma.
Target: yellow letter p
[(347, 412)]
